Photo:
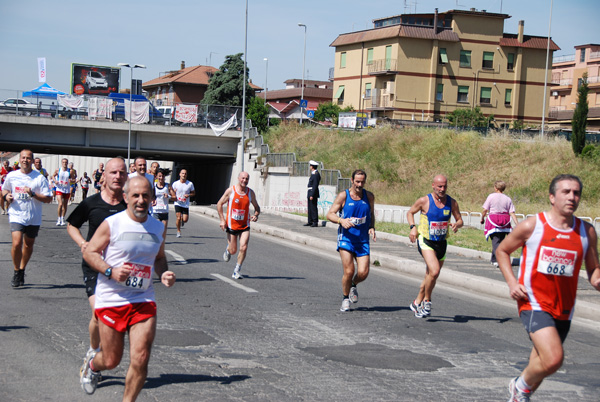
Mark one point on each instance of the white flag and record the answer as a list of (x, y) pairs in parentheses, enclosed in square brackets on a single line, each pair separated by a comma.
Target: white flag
[(42, 69)]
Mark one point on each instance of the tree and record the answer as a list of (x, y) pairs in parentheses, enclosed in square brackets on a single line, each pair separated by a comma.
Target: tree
[(579, 122), (469, 118), (225, 86), (327, 111), (258, 112)]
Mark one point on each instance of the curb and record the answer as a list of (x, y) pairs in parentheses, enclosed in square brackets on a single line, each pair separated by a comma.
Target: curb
[(491, 287)]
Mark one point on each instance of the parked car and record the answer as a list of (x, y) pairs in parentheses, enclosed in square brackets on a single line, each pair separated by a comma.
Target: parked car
[(23, 106), (95, 80)]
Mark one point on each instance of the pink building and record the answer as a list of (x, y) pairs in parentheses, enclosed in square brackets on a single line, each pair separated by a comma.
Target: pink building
[(567, 73)]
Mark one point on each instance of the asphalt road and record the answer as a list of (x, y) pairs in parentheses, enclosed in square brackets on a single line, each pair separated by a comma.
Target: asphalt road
[(276, 335)]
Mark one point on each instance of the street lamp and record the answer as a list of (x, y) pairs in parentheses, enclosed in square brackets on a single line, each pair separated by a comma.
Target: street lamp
[(130, 67), (303, 69), (546, 71), (266, 86)]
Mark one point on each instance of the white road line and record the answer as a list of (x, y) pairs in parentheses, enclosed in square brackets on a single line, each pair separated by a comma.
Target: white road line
[(179, 258), (235, 283)]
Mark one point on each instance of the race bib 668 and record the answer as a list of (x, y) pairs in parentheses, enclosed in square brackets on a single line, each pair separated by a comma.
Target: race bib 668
[(555, 261)]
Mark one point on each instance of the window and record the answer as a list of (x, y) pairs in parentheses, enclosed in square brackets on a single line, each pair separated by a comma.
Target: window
[(486, 95), (439, 93), (388, 57), (579, 82), (510, 61), (343, 60), (370, 56), (582, 55), (508, 97), (488, 60), (368, 90), (339, 95), (463, 94), (443, 56), (465, 58)]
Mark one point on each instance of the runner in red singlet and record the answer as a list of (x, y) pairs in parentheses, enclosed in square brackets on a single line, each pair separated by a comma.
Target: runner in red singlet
[(555, 244)]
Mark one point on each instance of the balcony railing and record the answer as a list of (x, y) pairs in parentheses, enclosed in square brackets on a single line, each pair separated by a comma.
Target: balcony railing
[(593, 80), (563, 81), (382, 66), (562, 59), (594, 55)]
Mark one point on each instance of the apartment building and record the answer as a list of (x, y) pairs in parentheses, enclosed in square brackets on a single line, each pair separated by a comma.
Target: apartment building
[(567, 75), (423, 66)]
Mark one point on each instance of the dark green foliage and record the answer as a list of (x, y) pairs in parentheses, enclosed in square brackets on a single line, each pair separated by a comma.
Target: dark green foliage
[(469, 118), (328, 111), (579, 122), (225, 87), (517, 125), (257, 113)]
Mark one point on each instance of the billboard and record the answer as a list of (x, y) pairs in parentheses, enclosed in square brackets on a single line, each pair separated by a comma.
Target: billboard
[(94, 80)]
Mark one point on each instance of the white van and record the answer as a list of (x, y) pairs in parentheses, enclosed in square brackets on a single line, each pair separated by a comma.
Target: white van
[(168, 112)]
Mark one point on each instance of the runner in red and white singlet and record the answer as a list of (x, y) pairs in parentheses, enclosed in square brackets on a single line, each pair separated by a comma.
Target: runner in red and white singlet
[(555, 243)]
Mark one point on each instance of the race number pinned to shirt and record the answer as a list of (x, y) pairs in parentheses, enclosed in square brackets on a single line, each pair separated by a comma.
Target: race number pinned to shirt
[(21, 193), (554, 261), (238, 214), (438, 228), (139, 278)]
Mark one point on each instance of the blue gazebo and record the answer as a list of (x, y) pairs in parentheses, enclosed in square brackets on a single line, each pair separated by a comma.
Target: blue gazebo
[(43, 91)]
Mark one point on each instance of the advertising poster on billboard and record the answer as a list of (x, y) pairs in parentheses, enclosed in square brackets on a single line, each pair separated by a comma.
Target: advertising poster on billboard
[(94, 80)]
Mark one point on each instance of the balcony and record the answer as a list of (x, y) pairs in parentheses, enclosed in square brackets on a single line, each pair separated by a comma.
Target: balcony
[(383, 67), (594, 55), (563, 82), (563, 59)]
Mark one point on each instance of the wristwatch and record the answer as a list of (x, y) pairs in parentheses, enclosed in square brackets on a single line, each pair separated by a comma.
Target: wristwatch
[(412, 226), (108, 272), (32, 194)]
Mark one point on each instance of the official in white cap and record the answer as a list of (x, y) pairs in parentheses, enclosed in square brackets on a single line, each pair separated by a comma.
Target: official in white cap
[(313, 195)]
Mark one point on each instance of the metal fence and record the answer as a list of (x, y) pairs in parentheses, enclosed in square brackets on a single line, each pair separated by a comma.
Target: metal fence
[(48, 107), (281, 160)]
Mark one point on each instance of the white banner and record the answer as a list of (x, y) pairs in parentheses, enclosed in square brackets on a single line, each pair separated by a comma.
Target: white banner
[(140, 112), (220, 129), (105, 107), (70, 101), (41, 69), (186, 113)]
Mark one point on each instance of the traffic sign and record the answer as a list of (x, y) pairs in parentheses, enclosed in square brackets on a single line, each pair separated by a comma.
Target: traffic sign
[(310, 113), (303, 103)]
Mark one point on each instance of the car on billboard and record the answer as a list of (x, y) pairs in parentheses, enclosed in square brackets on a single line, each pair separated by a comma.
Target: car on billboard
[(95, 80), (89, 79), (13, 105)]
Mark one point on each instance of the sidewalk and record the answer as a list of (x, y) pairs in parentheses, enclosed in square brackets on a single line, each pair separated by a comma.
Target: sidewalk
[(464, 268)]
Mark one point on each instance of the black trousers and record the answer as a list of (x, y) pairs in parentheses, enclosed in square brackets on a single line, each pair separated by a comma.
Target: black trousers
[(496, 240), (313, 211)]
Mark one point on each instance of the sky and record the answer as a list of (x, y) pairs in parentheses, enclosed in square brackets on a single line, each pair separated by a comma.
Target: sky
[(162, 34)]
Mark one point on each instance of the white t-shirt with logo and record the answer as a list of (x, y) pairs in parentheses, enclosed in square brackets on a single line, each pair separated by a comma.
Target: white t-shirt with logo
[(25, 210), (181, 190)]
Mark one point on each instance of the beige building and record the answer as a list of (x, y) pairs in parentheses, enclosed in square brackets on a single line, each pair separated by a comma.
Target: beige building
[(567, 74), (422, 66)]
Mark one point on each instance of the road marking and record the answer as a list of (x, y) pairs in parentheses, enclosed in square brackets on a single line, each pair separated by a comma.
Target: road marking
[(179, 258), (235, 283)]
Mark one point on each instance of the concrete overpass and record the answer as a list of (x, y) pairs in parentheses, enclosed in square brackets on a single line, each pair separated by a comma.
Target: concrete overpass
[(208, 158)]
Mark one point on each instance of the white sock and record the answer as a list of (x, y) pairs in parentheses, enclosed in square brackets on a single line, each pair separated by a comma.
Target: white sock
[(522, 385), (238, 268)]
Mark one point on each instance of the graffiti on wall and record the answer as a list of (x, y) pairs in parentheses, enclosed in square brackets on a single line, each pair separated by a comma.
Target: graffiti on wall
[(326, 197)]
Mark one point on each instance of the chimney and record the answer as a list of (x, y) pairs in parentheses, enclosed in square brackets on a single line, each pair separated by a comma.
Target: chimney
[(521, 27), (435, 22), (182, 64)]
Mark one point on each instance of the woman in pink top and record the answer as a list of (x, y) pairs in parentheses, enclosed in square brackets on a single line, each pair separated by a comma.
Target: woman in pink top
[(498, 208)]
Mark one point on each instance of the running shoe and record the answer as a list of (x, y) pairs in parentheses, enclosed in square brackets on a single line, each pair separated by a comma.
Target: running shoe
[(418, 310), (237, 275), (91, 353), (226, 255), (353, 294), (16, 280), (426, 308), (21, 277), (58, 222), (178, 234), (87, 377), (345, 305), (516, 395)]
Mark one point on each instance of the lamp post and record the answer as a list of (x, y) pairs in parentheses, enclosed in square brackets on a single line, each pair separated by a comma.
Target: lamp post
[(267, 87), (546, 71), (303, 69), (244, 89), (130, 67)]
